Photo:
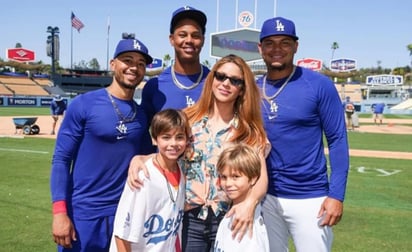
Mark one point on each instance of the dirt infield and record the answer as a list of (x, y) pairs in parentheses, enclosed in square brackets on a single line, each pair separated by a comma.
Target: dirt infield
[(390, 126), (8, 128)]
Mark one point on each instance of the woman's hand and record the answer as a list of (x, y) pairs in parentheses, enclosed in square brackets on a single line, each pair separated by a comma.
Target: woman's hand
[(242, 222)]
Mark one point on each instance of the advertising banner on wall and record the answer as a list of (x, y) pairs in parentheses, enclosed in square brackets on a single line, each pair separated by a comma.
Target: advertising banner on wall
[(242, 42), (20, 54), (343, 65), (310, 63), (18, 101), (384, 79)]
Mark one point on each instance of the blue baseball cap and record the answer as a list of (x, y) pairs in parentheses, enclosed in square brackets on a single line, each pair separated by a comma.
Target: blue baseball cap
[(190, 13), (133, 45), (278, 26)]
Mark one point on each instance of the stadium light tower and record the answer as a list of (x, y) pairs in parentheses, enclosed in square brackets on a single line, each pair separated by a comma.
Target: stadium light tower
[(52, 40)]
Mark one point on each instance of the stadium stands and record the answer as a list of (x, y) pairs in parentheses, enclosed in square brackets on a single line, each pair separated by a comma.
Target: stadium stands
[(5, 91), (77, 84), (43, 82), (70, 83), (351, 90), (22, 86)]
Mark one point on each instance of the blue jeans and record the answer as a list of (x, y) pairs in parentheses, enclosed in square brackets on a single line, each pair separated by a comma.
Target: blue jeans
[(199, 235)]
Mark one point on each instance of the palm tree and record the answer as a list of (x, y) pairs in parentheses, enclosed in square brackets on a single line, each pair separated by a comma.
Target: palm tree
[(166, 60), (379, 62), (409, 47), (334, 46), (94, 64)]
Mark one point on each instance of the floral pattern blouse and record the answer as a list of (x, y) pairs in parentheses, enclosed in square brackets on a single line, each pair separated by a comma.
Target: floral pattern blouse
[(199, 167)]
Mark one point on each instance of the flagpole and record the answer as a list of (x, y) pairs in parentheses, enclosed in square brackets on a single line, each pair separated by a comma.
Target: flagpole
[(217, 15), (236, 13), (77, 24), (71, 44), (107, 48), (255, 13)]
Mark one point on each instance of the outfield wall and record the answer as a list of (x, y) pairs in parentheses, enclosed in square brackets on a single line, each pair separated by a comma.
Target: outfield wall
[(16, 101)]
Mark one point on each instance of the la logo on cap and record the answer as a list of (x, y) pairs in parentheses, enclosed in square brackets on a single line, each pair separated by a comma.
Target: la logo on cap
[(136, 45), (279, 26)]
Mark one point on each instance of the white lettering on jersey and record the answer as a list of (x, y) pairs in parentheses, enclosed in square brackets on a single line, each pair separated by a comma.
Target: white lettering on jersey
[(189, 101)]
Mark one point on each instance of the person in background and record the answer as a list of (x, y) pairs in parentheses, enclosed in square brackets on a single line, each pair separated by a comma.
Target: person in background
[(102, 130), (150, 219), (378, 112), (349, 111), (238, 167), (57, 108), (299, 108), (179, 85)]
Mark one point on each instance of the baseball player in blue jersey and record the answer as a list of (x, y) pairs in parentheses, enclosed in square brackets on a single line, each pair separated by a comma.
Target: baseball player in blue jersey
[(101, 131), (299, 106), (57, 108), (179, 86), (378, 112)]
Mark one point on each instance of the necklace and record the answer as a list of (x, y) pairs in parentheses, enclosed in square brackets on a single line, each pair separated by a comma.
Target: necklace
[(270, 98), (169, 189), (121, 127), (180, 85)]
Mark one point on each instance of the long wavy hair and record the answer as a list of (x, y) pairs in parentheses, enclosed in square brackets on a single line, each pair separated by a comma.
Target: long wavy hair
[(247, 106)]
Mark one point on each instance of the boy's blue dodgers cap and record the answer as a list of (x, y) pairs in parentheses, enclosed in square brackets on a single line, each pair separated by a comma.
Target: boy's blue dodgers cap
[(133, 45), (190, 13), (278, 26)]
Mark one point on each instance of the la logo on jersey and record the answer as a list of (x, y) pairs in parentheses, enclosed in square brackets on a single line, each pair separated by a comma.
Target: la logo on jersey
[(279, 26), (273, 107), (189, 101), (122, 128)]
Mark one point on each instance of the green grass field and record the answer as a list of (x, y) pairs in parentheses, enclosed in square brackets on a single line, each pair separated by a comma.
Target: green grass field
[(19, 111), (25, 208), (377, 214)]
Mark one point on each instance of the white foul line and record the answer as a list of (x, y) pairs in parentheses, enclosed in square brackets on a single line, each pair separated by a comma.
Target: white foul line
[(29, 151)]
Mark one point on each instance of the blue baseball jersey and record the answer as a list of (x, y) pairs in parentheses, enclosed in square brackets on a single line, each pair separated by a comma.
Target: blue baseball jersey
[(57, 107), (92, 153), (378, 108), (295, 121), (162, 93)]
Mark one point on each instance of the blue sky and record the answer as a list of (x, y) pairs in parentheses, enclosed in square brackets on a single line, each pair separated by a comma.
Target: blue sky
[(367, 31)]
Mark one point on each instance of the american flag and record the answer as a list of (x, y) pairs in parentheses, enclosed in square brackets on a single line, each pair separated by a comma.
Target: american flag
[(76, 23)]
